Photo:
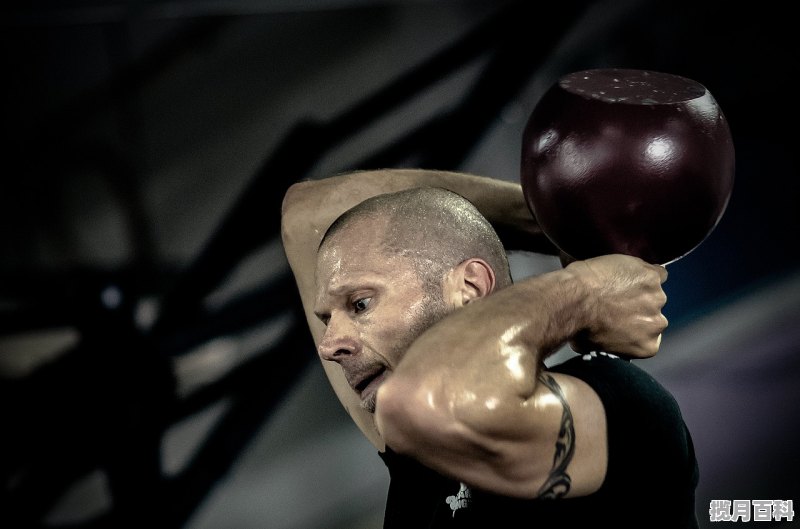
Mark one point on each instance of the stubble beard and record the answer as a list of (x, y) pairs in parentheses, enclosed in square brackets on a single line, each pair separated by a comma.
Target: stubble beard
[(434, 310)]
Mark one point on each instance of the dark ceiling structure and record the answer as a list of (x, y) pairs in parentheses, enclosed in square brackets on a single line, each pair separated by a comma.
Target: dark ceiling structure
[(147, 148)]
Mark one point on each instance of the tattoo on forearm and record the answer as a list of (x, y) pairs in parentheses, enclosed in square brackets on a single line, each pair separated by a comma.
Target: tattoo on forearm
[(559, 482)]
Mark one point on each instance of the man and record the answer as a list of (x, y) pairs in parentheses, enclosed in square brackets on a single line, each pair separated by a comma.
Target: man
[(439, 358)]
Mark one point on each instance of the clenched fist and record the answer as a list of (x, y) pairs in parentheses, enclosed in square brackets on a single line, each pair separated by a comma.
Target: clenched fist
[(624, 303)]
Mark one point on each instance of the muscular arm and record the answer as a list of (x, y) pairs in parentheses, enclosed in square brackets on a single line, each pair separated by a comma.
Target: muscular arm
[(310, 207), (471, 399)]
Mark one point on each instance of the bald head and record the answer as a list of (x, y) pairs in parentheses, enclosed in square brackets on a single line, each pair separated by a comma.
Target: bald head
[(434, 228)]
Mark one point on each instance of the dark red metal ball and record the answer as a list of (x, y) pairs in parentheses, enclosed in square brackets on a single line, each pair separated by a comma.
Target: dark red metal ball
[(627, 161)]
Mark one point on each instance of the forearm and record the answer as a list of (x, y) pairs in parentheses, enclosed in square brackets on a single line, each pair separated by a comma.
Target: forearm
[(311, 206)]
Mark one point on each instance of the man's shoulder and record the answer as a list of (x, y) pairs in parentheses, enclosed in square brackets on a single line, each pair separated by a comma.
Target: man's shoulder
[(623, 387)]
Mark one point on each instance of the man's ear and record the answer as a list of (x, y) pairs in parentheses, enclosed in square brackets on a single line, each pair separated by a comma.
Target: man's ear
[(470, 280)]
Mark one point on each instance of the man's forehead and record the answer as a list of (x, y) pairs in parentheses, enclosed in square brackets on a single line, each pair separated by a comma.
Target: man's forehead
[(348, 252)]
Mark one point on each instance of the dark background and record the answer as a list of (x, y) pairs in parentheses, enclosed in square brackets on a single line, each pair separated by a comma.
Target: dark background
[(153, 367)]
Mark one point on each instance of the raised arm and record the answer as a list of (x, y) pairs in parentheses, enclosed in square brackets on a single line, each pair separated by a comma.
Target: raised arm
[(310, 207), (471, 398)]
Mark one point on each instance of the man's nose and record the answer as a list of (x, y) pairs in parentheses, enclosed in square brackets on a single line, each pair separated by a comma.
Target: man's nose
[(339, 340)]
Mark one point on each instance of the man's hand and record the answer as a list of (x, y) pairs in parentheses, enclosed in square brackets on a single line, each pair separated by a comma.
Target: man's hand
[(625, 305)]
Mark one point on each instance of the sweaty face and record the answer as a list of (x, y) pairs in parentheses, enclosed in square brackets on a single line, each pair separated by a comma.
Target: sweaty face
[(373, 305)]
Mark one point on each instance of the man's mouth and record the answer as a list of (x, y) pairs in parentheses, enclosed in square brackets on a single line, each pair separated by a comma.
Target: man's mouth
[(370, 383)]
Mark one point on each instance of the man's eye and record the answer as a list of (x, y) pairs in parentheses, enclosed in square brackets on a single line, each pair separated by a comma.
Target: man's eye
[(361, 305)]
